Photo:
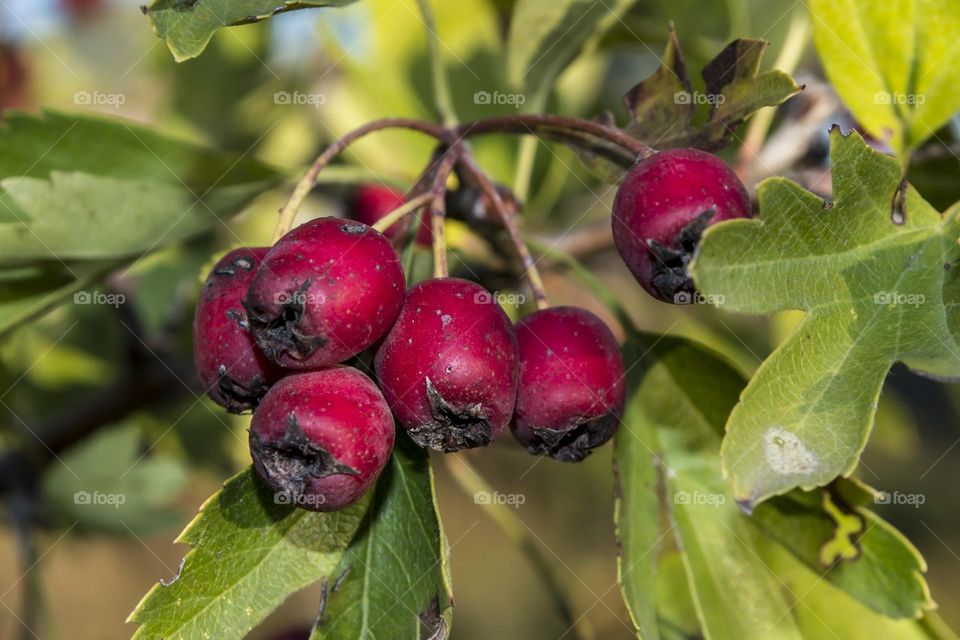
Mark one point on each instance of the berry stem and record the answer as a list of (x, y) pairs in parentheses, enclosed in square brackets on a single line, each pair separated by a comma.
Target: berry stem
[(402, 211), (438, 210), (472, 483), (626, 150), (309, 180), (474, 173)]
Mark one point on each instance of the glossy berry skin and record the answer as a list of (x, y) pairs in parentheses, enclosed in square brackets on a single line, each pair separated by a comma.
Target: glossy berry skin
[(232, 370), (661, 210), (372, 202), (572, 390), (448, 368), (325, 292), (320, 439)]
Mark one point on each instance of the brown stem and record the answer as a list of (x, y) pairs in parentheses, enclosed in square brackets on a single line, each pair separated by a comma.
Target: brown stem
[(475, 174), (309, 180), (402, 212), (438, 210), (626, 149), (621, 147)]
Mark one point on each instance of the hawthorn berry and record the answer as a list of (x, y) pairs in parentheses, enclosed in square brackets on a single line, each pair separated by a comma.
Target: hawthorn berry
[(232, 370), (448, 367), (372, 202), (325, 292), (320, 439), (661, 209), (14, 78), (571, 393)]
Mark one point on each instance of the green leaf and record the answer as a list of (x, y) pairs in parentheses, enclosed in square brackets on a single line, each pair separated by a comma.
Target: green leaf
[(824, 611), (394, 579), (894, 63), (188, 25), (685, 393), (80, 187), (31, 291), (103, 484), (545, 35), (676, 613), (663, 107), (886, 570), (637, 513), (876, 273), (248, 555), (681, 396)]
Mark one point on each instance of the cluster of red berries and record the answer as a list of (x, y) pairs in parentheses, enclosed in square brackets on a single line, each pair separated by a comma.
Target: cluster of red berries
[(278, 329)]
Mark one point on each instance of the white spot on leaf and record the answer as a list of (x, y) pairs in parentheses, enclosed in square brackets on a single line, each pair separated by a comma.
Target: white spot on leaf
[(786, 454)]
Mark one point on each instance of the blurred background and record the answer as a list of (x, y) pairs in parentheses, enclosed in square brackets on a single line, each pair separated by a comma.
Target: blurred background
[(280, 91)]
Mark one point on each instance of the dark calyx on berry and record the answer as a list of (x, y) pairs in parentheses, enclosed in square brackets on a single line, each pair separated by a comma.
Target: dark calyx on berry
[(320, 439), (232, 370), (661, 210), (572, 391), (448, 367), (292, 460), (325, 292)]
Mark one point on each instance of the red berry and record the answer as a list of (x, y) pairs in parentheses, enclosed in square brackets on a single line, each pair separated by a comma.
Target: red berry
[(448, 368), (372, 202), (81, 8), (14, 78), (662, 208), (325, 292), (233, 372), (571, 392), (321, 438)]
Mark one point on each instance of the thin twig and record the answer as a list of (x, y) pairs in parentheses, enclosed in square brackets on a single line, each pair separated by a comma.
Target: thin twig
[(309, 180), (438, 210), (401, 212), (509, 220), (625, 148)]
